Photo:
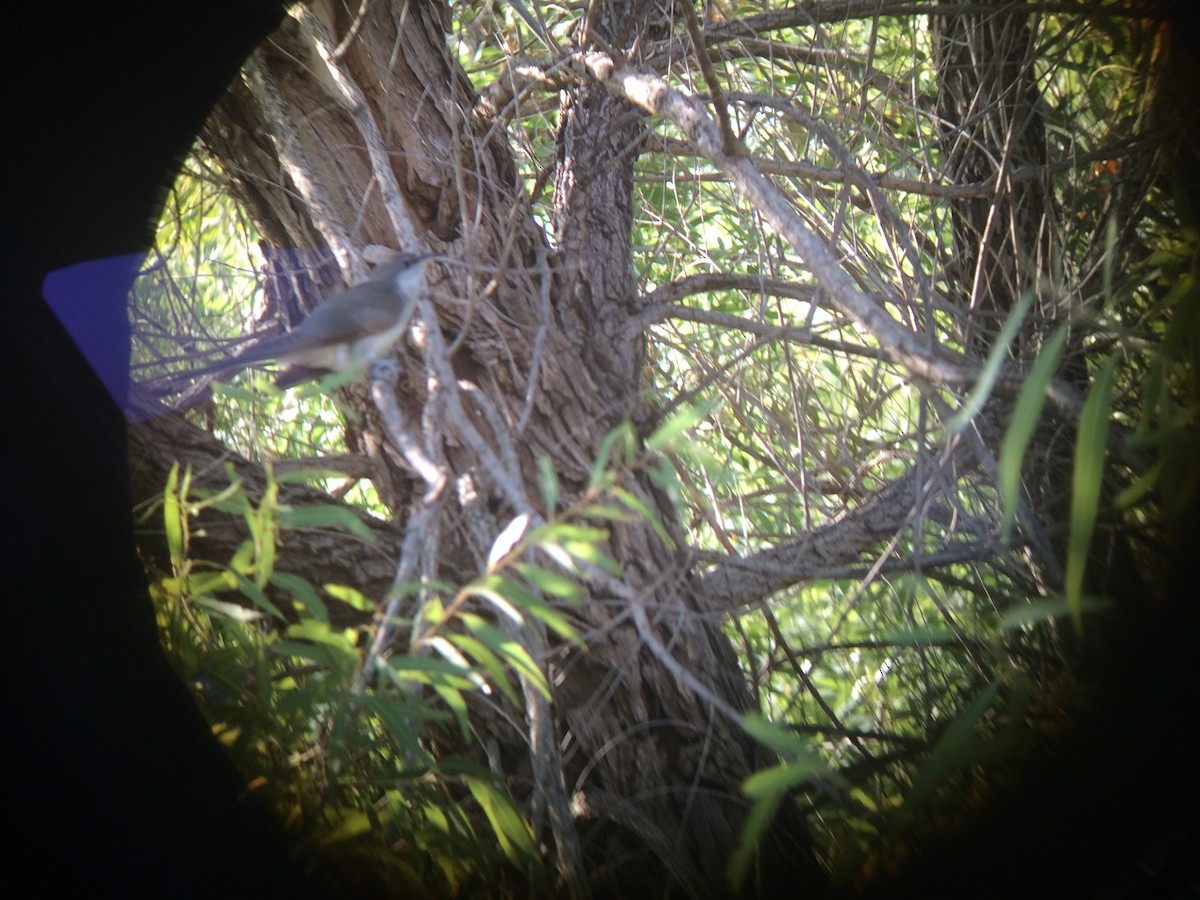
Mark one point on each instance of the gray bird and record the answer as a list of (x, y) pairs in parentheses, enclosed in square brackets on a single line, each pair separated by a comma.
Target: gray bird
[(348, 330)]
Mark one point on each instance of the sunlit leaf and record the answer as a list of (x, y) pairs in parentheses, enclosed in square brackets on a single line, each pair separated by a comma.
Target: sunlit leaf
[(549, 582), (230, 610), (507, 540), (350, 596), (512, 831)]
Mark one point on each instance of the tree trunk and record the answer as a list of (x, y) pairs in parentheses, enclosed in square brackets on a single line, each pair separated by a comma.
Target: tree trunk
[(385, 142)]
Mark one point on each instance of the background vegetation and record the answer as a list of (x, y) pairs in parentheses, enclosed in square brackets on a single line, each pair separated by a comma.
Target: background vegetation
[(921, 498)]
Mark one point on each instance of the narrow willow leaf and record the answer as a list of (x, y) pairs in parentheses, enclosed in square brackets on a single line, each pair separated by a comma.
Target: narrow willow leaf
[(1091, 447), (541, 610), (918, 637), (304, 593), (760, 816), (548, 482), (256, 596), (559, 555), (783, 741), (507, 540), (325, 516), (779, 779), (402, 718), (606, 511), (510, 650), (228, 610), (1045, 608), (454, 699), (454, 655), (350, 596), (991, 368), (512, 831), (1025, 418), (561, 531), (267, 518), (429, 670), (592, 555), (953, 749), (486, 657), (491, 595), (549, 582), (323, 633), (1141, 486), (601, 477), (173, 523), (670, 432), (643, 510), (354, 823)]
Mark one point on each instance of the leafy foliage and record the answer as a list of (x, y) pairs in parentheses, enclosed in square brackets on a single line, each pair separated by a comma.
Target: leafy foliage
[(900, 555)]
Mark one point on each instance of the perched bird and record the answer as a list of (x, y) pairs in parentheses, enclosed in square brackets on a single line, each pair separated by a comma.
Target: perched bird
[(347, 331)]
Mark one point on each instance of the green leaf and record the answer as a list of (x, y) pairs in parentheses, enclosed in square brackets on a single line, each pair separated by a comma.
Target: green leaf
[(403, 719), (173, 521), (512, 831), (494, 597), (953, 749), (760, 816), (669, 433), (1025, 418), (556, 532), (549, 582), (606, 511), (429, 670), (536, 607), (256, 596), (592, 555), (1091, 447), (350, 596), (991, 368), (485, 657), (229, 610), (548, 481), (769, 787), (1046, 608), (508, 648), (452, 654), (1141, 486), (325, 516), (452, 697), (230, 500), (779, 779), (353, 823), (780, 739), (918, 637), (304, 593), (619, 442), (641, 509)]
